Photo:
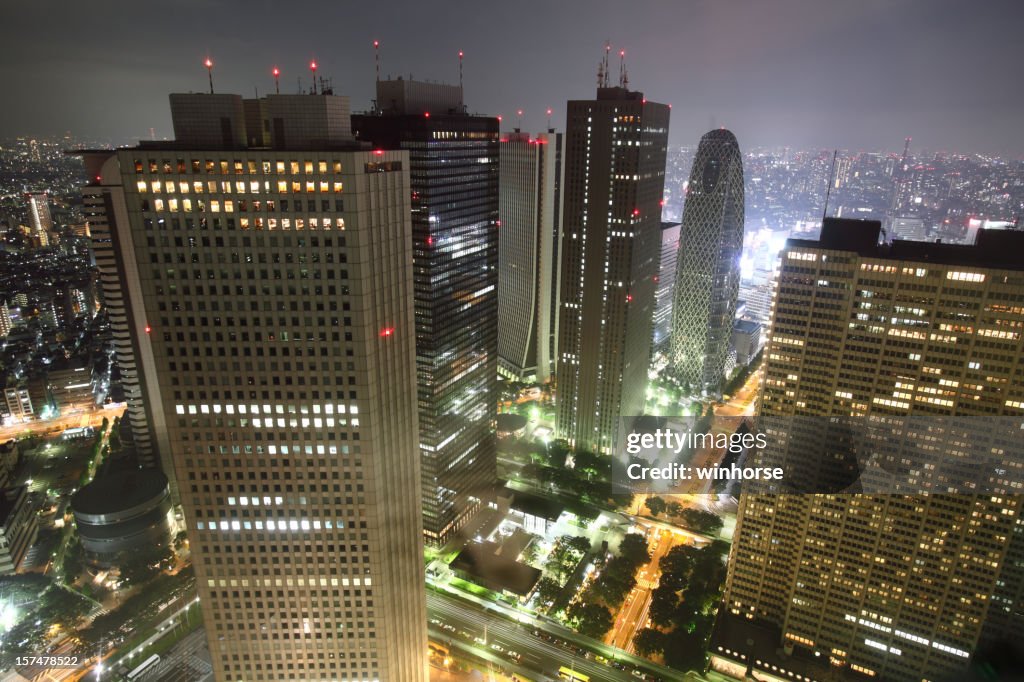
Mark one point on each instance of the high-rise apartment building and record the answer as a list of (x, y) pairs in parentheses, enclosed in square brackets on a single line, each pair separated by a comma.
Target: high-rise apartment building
[(531, 182), (5, 320), (268, 258), (611, 236), (887, 586), (39, 216), (666, 280), (453, 164), (708, 272)]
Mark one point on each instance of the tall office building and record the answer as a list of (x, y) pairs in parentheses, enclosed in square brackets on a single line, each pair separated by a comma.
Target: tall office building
[(668, 260), (614, 183), (708, 273), (531, 182), (453, 163), (268, 261), (126, 316), (888, 586), (39, 216)]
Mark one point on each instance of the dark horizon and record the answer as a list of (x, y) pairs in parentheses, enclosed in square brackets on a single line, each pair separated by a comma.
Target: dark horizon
[(857, 76)]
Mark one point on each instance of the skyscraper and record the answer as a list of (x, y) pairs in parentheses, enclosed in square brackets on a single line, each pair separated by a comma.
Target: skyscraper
[(126, 316), (528, 241), (270, 269), (889, 586), (453, 163), (614, 183), (708, 271), (668, 261)]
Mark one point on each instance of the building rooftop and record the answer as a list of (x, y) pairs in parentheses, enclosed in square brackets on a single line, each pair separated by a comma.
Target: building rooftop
[(481, 561), (119, 491), (535, 505), (746, 326), (761, 645), (991, 249)]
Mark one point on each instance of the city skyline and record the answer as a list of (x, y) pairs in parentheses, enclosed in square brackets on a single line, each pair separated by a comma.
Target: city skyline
[(416, 356), (813, 81)]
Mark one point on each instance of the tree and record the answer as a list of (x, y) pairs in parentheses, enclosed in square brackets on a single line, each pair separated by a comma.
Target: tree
[(684, 650), (703, 521), (615, 582), (674, 509), (656, 505), (663, 604), (633, 548), (650, 642), (529, 554), (578, 543), (678, 562), (547, 590), (592, 619)]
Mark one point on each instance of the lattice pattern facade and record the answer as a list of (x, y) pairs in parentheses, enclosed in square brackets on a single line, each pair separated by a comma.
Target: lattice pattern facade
[(708, 270)]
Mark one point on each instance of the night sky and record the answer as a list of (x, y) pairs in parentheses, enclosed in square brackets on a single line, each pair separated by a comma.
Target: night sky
[(853, 74)]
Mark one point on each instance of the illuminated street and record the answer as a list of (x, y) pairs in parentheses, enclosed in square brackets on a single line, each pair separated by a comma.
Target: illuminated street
[(633, 614), (44, 427)]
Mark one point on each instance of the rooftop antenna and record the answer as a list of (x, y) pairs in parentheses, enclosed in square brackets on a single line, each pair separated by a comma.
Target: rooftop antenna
[(549, 118), (605, 68), (277, 80), (209, 72), (376, 57), (623, 77), (460, 68), (519, 119), (828, 191), (312, 67)]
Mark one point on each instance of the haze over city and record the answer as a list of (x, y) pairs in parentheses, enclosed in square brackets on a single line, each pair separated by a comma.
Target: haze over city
[(799, 73)]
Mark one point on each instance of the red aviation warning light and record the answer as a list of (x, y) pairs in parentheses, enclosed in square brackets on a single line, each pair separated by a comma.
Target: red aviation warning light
[(636, 212), (148, 329), (208, 63), (386, 332), (629, 298)]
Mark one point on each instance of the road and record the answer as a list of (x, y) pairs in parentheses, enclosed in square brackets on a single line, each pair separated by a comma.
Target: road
[(188, 661), (545, 652), (633, 614), (476, 632), (743, 403), (59, 424)]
